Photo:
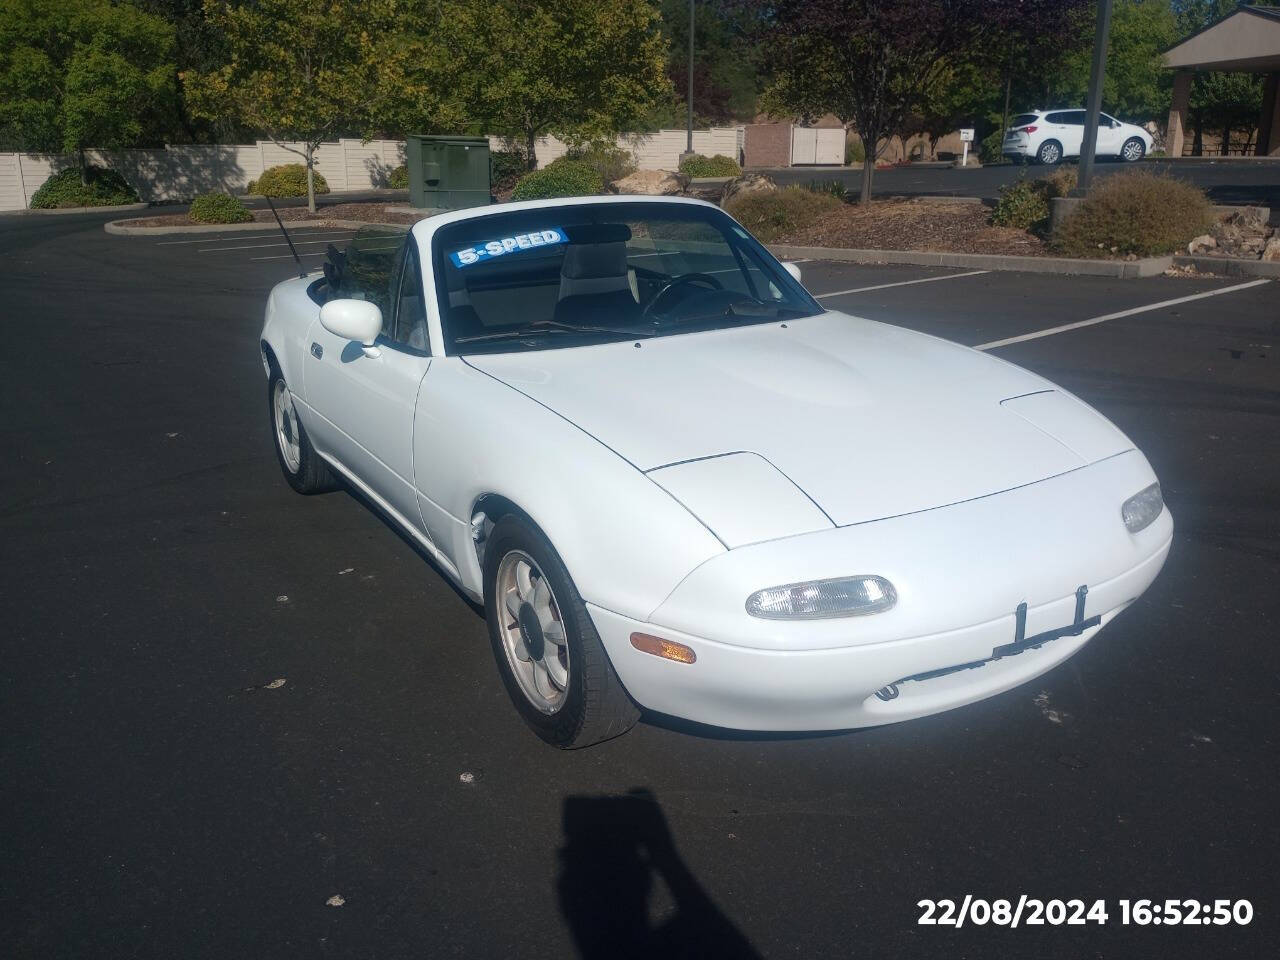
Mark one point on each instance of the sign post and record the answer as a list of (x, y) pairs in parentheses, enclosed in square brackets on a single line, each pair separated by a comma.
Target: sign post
[(966, 137)]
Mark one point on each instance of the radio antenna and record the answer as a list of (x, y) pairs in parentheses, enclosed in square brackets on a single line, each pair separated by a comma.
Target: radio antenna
[(301, 270)]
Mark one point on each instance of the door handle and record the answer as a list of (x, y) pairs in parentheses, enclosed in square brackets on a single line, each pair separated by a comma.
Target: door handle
[(317, 351)]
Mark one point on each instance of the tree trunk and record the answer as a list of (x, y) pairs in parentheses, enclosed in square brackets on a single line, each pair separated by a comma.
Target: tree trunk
[(1226, 141), (311, 181), (1197, 140), (531, 146), (868, 168), (84, 168), (1004, 117)]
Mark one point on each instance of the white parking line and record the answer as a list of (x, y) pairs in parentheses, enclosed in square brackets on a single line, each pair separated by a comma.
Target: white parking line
[(1116, 316), (321, 253), (261, 246), (253, 236), (900, 283)]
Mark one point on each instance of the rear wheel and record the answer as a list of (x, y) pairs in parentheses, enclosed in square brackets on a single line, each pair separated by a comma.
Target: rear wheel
[(550, 656), (299, 463), (1133, 150), (1050, 152)]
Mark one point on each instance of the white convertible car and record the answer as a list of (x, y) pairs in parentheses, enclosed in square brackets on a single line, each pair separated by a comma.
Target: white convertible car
[(678, 482)]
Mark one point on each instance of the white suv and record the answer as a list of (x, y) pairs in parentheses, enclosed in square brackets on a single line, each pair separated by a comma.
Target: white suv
[(1049, 135)]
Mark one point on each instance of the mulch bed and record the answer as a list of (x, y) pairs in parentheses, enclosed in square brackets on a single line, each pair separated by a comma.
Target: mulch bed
[(916, 224), (367, 212)]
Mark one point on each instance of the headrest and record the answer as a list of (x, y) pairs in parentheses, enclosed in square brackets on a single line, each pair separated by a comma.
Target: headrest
[(594, 261)]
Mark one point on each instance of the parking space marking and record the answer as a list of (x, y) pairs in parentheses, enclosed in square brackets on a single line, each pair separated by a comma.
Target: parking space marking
[(900, 283), (318, 253), (1049, 332), (262, 246), (252, 236)]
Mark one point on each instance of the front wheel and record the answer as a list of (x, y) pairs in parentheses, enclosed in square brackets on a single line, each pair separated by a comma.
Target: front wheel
[(1050, 152), (550, 656), (1133, 150), (299, 463)]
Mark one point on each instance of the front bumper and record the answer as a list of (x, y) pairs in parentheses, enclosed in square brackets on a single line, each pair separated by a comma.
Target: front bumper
[(961, 573), (747, 689)]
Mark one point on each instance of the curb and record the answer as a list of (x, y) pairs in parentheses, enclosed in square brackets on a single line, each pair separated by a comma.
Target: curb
[(109, 208), (121, 227), (1120, 269), (1230, 267)]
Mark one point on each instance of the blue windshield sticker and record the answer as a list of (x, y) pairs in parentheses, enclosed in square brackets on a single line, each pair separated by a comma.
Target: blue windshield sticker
[(504, 245)]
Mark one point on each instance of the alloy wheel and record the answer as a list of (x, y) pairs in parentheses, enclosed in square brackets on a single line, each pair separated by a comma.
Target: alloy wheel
[(532, 631), (287, 433)]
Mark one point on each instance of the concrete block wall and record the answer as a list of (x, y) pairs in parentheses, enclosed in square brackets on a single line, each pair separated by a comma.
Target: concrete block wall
[(179, 173)]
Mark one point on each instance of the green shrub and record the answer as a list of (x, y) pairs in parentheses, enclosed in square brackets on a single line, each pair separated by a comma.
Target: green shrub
[(65, 189), (854, 152), (506, 167), (1022, 204), (773, 215), (399, 178), (1025, 203), (717, 166), (1138, 213), (287, 180), (563, 178), (607, 159), (219, 208), (834, 188), (992, 144)]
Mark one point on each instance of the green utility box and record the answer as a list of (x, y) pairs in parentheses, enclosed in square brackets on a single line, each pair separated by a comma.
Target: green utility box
[(447, 173)]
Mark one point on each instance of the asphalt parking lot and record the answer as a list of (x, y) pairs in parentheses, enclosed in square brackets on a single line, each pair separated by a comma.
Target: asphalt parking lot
[(165, 796)]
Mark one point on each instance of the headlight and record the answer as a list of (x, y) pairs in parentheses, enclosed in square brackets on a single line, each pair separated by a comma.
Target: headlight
[(817, 599), (1141, 510)]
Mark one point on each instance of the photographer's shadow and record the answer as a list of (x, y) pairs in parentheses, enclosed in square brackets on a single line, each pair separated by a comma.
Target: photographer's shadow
[(616, 847)]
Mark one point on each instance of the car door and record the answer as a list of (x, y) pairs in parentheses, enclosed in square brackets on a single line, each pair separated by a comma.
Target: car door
[(1110, 136), (1070, 128), (367, 402)]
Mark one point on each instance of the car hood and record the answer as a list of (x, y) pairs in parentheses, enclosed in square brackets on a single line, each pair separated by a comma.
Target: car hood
[(866, 419)]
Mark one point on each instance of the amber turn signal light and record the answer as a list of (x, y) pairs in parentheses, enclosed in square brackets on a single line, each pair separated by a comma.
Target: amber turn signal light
[(667, 649)]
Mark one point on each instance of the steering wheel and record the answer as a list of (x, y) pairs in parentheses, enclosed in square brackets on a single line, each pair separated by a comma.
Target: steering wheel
[(680, 281)]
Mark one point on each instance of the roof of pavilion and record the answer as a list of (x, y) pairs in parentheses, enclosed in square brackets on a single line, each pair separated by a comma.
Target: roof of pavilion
[(1245, 40)]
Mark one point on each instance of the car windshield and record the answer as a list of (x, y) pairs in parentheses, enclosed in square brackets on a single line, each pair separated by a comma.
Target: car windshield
[(589, 273), (1022, 119)]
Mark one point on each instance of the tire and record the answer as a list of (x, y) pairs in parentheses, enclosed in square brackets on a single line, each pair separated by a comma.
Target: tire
[(579, 700), (299, 462), (1133, 150), (1050, 153)]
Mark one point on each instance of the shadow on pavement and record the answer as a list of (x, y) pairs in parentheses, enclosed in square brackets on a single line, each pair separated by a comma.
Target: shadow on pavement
[(616, 847)]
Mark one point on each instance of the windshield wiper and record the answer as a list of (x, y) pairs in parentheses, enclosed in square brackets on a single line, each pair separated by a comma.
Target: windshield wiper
[(754, 311), (539, 327)]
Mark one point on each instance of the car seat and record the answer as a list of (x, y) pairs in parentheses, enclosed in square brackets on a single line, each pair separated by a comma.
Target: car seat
[(595, 286)]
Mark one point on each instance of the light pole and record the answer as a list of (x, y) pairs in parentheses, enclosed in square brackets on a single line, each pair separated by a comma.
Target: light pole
[(1095, 96), (688, 149)]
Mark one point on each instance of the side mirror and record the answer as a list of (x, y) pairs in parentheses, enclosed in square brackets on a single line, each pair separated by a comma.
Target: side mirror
[(792, 269), (357, 320)]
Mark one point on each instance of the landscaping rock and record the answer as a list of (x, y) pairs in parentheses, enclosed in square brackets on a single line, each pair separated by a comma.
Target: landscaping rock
[(748, 183), (1272, 250), (1242, 233), (1201, 244), (652, 183)]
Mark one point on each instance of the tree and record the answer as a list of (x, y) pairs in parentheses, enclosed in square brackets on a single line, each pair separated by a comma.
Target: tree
[(575, 69), (726, 62), (89, 74), (870, 62), (299, 70)]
